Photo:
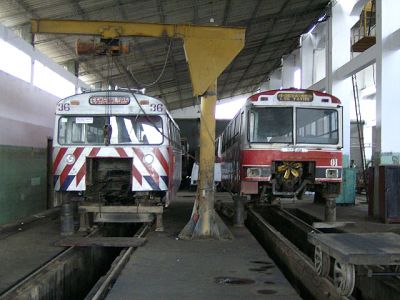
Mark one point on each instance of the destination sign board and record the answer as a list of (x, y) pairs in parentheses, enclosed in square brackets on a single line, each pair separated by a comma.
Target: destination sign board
[(296, 97), (109, 100)]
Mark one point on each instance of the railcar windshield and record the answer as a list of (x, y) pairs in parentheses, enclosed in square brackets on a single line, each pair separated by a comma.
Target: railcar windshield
[(138, 129), (271, 125), (317, 126)]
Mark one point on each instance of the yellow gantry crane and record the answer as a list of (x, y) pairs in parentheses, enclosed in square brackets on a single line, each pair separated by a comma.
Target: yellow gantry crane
[(209, 50)]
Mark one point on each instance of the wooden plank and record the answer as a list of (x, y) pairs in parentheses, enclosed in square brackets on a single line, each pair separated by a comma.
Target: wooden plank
[(120, 209), (101, 242), (381, 248), (364, 43)]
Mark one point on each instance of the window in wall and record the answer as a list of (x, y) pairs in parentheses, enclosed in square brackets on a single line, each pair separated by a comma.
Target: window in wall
[(15, 62), (51, 82)]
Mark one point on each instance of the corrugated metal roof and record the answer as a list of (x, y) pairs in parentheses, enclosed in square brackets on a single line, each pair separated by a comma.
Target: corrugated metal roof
[(273, 30)]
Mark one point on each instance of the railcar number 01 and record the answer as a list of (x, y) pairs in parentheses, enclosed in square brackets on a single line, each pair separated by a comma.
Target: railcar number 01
[(334, 162)]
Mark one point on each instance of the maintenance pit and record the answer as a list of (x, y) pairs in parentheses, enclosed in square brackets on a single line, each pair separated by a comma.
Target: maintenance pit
[(45, 269)]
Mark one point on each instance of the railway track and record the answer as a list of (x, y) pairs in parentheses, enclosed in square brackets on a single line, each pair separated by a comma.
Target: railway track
[(284, 235), (284, 241), (74, 272), (104, 284)]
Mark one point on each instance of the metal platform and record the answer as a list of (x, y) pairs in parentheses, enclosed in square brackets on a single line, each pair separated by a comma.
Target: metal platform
[(360, 248), (354, 249)]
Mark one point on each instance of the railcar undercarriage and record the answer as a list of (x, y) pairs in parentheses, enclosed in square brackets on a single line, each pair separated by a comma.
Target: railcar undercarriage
[(109, 182), (290, 178), (109, 198)]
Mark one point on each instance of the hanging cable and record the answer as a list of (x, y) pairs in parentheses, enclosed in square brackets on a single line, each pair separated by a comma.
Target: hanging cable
[(161, 73), (132, 92)]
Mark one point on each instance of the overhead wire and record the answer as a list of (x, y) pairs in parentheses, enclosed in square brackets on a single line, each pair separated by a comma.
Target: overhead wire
[(146, 115), (161, 73)]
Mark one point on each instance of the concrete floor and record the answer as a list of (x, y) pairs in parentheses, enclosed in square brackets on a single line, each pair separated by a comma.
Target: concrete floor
[(26, 247), (169, 268)]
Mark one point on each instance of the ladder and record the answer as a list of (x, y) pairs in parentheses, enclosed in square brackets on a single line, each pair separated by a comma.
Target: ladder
[(360, 131)]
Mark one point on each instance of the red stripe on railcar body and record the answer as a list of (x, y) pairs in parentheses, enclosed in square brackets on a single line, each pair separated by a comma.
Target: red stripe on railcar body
[(136, 174), (256, 157), (121, 152), (94, 152), (80, 174), (161, 159), (67, 169), (58, 158)]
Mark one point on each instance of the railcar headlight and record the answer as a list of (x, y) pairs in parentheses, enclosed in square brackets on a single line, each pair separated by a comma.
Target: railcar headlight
[(148, 159), (70, 159), (253, 172), (258, 172), (332, 173)]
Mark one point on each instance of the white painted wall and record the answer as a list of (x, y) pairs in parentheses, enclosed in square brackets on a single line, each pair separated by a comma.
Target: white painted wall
[(274, 81), (226, 109), (26, 113)]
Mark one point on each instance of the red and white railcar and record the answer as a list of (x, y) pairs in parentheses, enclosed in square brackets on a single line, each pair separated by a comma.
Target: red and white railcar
[(283, 142), (115, 148)]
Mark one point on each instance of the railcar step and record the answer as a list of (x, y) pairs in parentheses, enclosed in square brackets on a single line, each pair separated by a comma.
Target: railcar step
[(101, 242)]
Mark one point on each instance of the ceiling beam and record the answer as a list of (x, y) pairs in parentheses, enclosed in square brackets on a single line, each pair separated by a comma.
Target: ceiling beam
[(195, 12), (247, 26), (227, 10), (169, 43), (262, 43)]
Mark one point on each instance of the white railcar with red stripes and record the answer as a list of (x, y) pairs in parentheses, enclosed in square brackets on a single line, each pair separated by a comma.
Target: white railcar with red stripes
[(115, 149), (283, 142)]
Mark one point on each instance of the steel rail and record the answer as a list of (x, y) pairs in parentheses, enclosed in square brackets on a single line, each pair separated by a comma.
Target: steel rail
[(105, 283), (300, 266)]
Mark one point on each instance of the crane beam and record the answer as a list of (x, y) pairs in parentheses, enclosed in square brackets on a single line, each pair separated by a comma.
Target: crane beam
[(208, 49)]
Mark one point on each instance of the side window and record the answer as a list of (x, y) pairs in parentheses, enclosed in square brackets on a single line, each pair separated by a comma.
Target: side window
[(177, 138), (175, 134), (228, 135), (232, 132), (241, 121), (171, 132), (237, 125)]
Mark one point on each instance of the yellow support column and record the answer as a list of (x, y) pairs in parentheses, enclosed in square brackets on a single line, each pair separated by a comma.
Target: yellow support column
[(205, 222)]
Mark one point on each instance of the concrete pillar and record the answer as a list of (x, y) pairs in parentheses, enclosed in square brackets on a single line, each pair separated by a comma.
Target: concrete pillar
[(387, 149), (307, 60), (387, 78), (312, 55), (290, 63), (338, 53)]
